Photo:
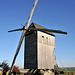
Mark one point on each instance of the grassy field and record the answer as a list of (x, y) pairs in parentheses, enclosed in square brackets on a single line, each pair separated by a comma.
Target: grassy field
[(66, 74), (66, 69), (24, 69), (50, 70), (59, 70)]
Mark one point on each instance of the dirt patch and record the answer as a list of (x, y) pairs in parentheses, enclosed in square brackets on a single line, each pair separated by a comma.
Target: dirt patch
[(23, 71), (0, 72)]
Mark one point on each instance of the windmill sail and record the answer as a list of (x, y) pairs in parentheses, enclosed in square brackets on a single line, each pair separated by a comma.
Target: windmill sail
[(39, 29), (22, 36), (48, 30), (16, 30)]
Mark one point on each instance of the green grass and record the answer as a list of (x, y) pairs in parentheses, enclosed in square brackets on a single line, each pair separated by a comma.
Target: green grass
[(66, 69), (65, 74), (24, 69)]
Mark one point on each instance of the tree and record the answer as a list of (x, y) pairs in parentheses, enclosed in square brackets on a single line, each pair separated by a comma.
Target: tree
[(5, 67)]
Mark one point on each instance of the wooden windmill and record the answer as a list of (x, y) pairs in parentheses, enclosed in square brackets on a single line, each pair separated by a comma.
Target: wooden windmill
[(39, 45)]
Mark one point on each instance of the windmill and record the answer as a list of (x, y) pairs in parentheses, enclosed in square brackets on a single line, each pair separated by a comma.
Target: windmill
[(26, 29)]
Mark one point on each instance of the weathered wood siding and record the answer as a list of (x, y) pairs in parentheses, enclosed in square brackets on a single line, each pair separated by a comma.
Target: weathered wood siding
[(39, 48), (45, 47), (30, 55)]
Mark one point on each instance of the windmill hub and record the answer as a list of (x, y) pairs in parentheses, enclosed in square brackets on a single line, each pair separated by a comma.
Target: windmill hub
[(24, 28)]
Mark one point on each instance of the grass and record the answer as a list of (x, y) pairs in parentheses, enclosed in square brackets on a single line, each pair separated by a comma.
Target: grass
[(65, 74), (59, 70), (66, 69), (24, 69)]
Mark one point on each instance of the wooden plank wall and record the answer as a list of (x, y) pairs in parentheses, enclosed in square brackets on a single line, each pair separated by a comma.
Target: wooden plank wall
[(30, 55), (46, 45)]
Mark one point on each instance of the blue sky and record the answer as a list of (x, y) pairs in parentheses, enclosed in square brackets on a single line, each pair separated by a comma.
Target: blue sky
[(53, 14)]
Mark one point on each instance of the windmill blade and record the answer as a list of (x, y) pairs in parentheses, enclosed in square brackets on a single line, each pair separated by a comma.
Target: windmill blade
[(22, 36), (17, 30), (48, 30)]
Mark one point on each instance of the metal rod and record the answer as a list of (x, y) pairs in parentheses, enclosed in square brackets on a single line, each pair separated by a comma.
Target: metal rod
[(22, 36)]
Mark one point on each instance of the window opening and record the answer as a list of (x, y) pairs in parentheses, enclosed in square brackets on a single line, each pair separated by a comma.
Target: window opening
[(46, 37), (42, 36)]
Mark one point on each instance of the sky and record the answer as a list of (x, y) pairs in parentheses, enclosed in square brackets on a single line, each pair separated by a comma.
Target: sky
[(52, 14)]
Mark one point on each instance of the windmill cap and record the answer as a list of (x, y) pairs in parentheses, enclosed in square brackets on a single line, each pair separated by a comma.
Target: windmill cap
[(34, 25)]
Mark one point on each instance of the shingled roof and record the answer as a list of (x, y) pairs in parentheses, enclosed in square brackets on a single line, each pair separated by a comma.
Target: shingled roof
[(34, 25)]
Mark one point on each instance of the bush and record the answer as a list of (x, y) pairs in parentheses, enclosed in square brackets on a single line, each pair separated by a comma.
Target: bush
[(5, 67)]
